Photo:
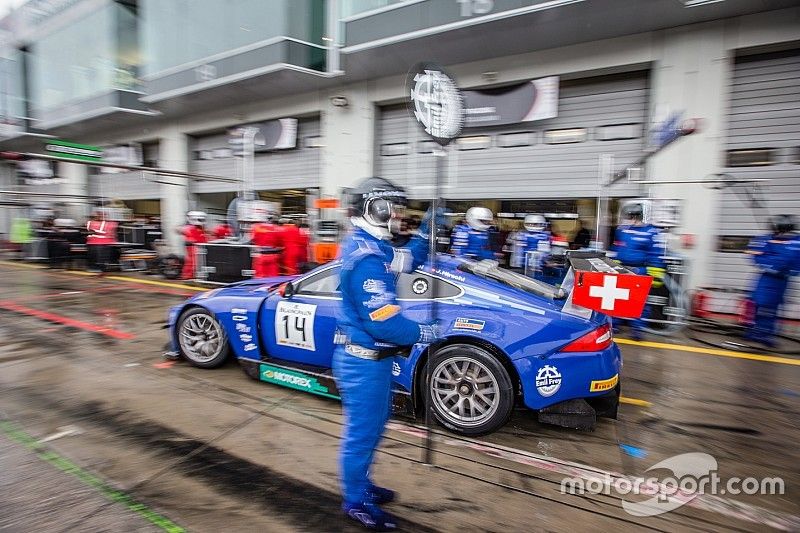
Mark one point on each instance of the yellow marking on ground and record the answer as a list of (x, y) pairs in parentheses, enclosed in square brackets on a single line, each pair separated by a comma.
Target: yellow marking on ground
[(159, 283), (635, 401), (22, 265), (116, 278), (712, 351)]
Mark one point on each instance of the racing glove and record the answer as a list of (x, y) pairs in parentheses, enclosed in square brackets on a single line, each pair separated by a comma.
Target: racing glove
[(657, 274), (428, 333)]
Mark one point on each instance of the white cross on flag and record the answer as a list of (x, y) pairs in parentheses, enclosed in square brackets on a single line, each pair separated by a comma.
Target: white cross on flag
[(619, 295)]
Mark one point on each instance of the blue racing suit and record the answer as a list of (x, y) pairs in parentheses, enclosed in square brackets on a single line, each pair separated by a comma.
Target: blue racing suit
[(529, 241), (777, 257), (373, 329), (472, 243), (640, 249)]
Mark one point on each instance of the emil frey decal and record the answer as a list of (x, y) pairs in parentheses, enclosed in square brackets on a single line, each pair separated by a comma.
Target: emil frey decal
[(548, 380)]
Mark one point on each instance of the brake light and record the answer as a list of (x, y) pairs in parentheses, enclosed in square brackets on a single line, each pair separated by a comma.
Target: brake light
[(594, 341)]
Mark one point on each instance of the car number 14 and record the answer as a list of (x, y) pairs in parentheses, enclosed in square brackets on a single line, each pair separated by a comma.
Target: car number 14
[(294, 325)]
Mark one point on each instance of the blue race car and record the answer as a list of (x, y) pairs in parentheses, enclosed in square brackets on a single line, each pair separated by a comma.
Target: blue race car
[(507, 340)]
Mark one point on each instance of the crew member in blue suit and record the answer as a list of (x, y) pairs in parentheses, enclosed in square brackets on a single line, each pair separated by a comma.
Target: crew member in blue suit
[(777, 256), (640, 248), (473, 239), (371, 331), (535, 238)]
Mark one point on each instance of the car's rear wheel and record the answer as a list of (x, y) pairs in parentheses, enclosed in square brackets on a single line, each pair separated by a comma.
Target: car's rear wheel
[(470, 391), (202, 339)]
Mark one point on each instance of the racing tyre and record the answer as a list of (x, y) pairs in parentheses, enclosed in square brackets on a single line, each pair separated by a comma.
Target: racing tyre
[(171, 266), (470, 391), (201, 338)]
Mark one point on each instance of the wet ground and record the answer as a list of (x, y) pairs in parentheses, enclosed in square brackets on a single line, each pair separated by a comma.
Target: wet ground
[(98, 433)]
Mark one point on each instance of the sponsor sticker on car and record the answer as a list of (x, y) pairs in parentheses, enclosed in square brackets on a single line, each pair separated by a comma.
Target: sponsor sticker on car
[(548, 380), (604, 384), (469, 323), (293, 380), (384, 313)]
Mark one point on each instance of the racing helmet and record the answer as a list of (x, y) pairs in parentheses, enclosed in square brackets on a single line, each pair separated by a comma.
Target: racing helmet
[(535, 222), (783, 223), (196, 218), (632, 211), (479, 218), (380, 204)]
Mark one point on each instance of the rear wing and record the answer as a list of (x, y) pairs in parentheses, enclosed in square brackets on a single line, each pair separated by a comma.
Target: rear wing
[(596, 283)]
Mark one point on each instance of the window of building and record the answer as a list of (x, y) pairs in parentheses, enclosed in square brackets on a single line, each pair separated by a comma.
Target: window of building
[(314, 141), (512, 140), (618, 132), (426, 147), (393, 149), (221, 153), (474, 142), (565, 136), (752, 157)]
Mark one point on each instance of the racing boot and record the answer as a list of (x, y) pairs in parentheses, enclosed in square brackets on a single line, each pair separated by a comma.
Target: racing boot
[(370, 516), (379, 495)]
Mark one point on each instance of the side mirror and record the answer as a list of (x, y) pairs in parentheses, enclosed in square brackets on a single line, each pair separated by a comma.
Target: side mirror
[(286, 290)]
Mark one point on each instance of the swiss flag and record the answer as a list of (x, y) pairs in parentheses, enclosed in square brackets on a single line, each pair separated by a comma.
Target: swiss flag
[(619, 295)]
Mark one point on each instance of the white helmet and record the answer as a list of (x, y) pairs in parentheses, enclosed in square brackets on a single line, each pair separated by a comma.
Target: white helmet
[(535, 222), (479, 218), (196, 218)]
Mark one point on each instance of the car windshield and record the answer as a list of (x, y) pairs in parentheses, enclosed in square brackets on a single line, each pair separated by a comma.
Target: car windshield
[(489, 269)]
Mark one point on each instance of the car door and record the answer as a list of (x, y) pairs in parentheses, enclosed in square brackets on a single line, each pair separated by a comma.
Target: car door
[(300, 326)]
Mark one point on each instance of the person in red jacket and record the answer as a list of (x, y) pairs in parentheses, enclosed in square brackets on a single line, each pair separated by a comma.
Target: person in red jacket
[(268, 237), (222, 231), (102, 236), (295, 252), (193, 233)]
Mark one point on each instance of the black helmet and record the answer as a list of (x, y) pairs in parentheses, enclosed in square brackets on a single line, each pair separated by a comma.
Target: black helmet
[(374, 200), (782, 223), (633, 212)]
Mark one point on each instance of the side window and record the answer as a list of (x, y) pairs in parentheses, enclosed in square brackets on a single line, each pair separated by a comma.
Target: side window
[(417, 286), (322, 283)]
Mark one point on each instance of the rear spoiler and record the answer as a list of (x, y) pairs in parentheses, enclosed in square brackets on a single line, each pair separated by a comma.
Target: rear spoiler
[(598, 284)]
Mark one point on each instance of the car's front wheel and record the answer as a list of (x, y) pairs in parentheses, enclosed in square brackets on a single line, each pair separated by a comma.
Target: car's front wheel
[(469, 390), (202, 339)]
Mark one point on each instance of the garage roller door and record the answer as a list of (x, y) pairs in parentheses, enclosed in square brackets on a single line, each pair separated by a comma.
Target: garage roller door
[(763, 141), (554, 158), (124, 186), (286, 169)]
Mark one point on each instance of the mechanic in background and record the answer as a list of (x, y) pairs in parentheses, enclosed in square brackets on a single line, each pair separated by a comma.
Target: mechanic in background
[(638, 247), (371, 331), (295, 248), (534, 238), (268, 236), (194, 233), (223, 230), (102, 236), (473, 239), (777, 256)]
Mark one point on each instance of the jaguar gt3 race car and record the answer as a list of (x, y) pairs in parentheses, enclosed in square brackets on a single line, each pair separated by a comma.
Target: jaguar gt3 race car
[(507, 341)]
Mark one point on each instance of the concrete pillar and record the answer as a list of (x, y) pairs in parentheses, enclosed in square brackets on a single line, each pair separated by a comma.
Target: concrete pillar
[(693, 75), (173, 154), (76, 182), (349, 137)]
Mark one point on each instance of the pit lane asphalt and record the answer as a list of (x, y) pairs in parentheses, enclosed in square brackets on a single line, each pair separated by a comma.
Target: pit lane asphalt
[(214, 449)]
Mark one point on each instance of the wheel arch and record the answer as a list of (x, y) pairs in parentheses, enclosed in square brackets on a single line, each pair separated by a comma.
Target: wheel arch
[(493, 349)]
